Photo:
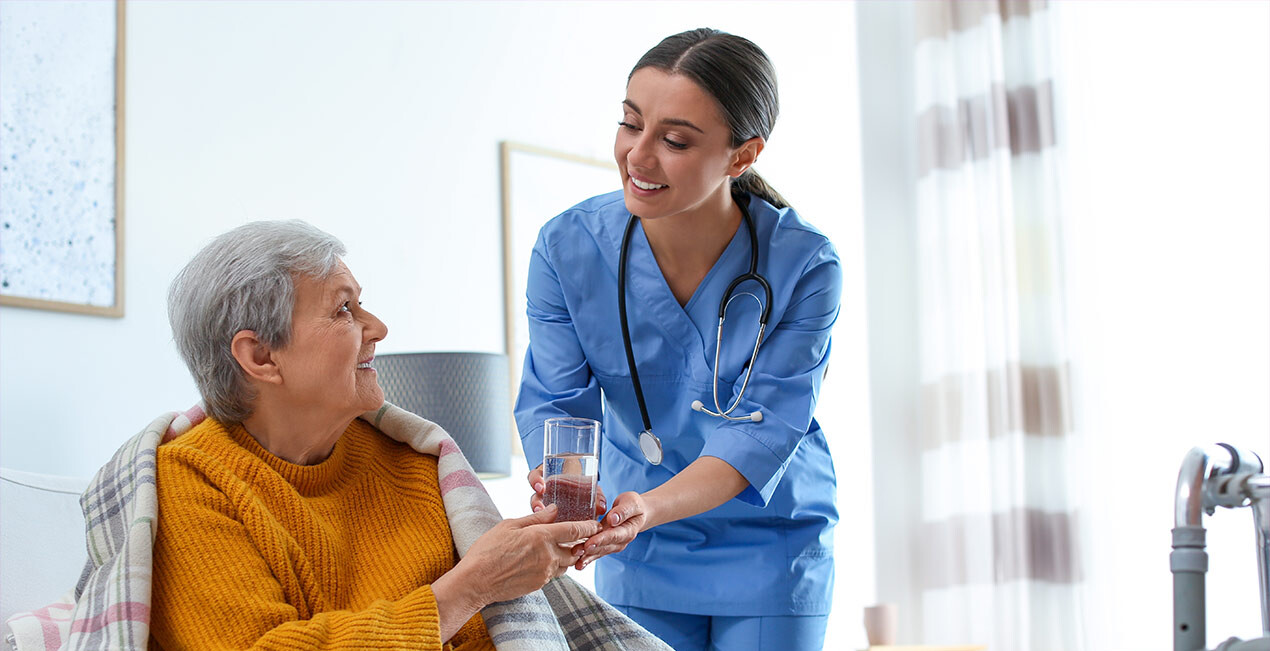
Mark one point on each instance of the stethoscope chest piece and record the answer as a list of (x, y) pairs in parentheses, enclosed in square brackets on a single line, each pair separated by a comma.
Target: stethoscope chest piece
[(650, 445)]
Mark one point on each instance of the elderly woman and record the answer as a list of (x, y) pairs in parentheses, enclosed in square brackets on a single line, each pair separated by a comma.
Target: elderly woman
[(284, 520)]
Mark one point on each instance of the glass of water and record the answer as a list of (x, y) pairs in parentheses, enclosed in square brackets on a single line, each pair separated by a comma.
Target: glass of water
[(570, 466)]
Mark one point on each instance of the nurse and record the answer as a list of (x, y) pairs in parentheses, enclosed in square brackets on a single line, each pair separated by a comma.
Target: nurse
[(727, 542)]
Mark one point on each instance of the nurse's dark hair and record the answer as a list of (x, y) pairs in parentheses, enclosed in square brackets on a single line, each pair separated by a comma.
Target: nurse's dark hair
[(740, 77)]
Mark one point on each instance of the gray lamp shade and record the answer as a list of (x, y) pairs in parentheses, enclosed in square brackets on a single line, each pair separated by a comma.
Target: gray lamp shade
[(466, 393)]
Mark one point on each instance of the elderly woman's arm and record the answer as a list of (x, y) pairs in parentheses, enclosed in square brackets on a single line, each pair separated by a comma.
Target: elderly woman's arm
[(512, 559), (218, 584)]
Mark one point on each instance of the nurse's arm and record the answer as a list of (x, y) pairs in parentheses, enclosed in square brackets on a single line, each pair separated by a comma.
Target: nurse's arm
[(703, 485)]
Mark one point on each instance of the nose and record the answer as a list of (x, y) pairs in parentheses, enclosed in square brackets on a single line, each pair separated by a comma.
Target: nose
[(641, 154), (373, 330)]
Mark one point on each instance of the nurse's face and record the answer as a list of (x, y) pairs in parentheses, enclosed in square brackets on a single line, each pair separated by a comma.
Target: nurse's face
[(673, 146)]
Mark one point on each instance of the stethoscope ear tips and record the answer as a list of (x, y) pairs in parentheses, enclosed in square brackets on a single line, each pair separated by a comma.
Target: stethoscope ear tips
[(756, 416), (698, 406)]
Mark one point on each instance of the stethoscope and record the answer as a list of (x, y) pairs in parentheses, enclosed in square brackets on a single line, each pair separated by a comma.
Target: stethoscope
[(649, 444)]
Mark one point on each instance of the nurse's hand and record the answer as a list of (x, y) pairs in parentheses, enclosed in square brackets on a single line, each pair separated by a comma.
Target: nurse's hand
[(617, 529), (535, 500)]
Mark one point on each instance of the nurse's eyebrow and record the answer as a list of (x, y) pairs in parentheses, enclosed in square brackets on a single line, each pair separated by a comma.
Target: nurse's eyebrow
[(675, 121)]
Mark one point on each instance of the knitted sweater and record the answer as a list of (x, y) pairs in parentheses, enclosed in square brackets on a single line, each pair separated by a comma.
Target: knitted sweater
[(255, 552)]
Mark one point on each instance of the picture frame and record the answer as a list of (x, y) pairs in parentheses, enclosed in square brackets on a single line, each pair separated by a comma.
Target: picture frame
[(62, 231), (537, 184)]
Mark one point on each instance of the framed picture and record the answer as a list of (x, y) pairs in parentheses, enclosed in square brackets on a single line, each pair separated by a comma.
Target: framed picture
[(62, 156), (538, 184)]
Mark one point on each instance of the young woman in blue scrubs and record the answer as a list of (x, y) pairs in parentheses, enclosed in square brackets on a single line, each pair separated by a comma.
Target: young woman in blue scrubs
[(727, 544)]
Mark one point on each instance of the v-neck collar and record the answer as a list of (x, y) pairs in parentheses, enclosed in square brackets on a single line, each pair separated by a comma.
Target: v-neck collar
[(647, 287)]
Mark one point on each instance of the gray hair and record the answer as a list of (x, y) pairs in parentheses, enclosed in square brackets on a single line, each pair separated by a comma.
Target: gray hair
[(242, 280)]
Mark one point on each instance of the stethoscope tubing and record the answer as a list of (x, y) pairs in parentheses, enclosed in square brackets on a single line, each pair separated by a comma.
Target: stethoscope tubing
[(626, 330), (744, 383), (650, 445)]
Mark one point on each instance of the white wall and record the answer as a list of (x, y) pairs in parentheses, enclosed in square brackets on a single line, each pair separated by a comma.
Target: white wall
[(1167, 136), (380, 123)]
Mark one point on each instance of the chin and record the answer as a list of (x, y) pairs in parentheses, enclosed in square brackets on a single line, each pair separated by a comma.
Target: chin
[(637, 206), (372, 401)]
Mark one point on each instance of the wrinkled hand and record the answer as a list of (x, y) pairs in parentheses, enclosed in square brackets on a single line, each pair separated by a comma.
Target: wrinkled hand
[(619, 528), (537, 484), (521, 555)]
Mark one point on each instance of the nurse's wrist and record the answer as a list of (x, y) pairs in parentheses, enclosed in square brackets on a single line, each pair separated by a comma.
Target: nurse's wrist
[(652, 511), (703, 485)]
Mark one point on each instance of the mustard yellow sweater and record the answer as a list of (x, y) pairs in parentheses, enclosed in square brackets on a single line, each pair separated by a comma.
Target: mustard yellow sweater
[(256, 552)]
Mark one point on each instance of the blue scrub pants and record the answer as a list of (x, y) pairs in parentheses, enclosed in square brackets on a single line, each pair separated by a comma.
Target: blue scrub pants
[(716, 633)]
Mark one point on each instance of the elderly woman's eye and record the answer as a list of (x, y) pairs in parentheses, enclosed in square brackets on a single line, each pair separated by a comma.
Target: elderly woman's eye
[(345, 307)]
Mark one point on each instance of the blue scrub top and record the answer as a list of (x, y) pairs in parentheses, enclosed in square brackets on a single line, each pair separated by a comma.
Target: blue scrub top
[(769, 551)]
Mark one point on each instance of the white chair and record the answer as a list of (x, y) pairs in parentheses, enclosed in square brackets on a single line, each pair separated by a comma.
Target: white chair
[(42, 543)]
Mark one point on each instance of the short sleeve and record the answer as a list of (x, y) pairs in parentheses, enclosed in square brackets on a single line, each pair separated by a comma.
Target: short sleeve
[(556, 380), (785, 383)]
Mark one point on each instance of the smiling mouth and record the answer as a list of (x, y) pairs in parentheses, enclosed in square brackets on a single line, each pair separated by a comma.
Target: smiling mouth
[(644, 185), (366, 364)]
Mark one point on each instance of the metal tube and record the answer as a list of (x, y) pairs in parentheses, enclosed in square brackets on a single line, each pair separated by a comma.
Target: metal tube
[(1198, 465), (1235, 644), (1259, 491), (1188, 561)]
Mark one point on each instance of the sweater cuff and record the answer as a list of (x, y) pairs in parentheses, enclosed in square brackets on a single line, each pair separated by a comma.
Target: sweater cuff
[(424, 603)]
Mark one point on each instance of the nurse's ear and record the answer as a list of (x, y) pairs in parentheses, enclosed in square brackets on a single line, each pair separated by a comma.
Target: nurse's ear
[(743, 157)]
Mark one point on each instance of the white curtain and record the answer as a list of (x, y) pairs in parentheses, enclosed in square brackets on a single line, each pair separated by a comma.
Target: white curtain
[(997, 555)]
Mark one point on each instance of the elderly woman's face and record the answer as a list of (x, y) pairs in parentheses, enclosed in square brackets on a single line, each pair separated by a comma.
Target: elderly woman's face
[(326, 365)]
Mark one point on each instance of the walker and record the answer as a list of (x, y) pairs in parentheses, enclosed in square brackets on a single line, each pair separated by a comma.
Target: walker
[(1220, 475)]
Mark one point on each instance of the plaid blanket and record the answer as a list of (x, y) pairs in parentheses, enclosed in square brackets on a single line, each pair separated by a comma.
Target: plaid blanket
[(110, 607)]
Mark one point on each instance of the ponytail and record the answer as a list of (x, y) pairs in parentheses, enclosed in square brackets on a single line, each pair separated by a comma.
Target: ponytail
[(751, 182)]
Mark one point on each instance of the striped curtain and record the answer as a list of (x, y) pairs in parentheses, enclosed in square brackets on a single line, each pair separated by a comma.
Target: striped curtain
[(997, 557)]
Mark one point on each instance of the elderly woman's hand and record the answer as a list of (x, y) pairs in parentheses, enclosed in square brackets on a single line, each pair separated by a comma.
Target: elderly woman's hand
[(513, 559), (535, 498), (521, 555), (620, 526)]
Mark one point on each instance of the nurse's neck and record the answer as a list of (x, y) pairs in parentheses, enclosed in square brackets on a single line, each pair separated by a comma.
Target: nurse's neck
[(686, 245)]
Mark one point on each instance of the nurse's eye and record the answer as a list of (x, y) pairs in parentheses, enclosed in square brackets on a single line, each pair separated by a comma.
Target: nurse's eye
[(628, 126), (674, 144)]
